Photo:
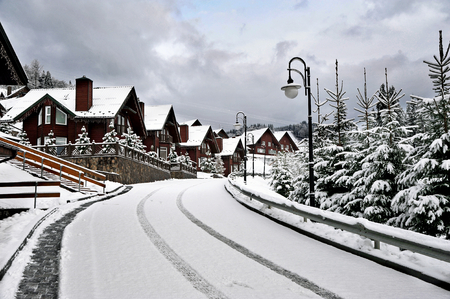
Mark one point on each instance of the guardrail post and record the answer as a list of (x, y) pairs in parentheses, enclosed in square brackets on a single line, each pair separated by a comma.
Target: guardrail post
[(376, 244), (79, 181), (35, 193), (42, 167), (24, 159), (60, 171)]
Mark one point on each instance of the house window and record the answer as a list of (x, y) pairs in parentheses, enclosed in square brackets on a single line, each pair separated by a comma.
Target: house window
[(263, 143), (121, 125), (61, 117), (261, 150), (39, 139), (282, 146), (40, 118), (163, 153), (272, 152), (269, 144), (48, 115)]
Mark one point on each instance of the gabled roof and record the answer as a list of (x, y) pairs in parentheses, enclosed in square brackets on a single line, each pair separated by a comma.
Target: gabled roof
[(257, 136), (221, 133), (197, 135), (280, 134), (192, 122), (230, 146), (156, 117), (11, 71), (106, 102)]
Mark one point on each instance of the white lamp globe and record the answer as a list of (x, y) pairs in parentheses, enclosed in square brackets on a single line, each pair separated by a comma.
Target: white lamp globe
[(291, 90)]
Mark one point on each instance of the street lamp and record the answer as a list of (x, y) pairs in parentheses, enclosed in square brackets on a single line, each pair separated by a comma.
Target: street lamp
[(291, 91), (237, 126), (253, 163)]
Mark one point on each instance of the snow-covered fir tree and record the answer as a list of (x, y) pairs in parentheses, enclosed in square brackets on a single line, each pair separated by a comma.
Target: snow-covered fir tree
[(281, 180), (24, 138), (173, 156), (375, 184), (50, 140), (423, 205), (83, 141), (207, 164), (219, 166), (5, 128), (110, 137), (329, 157), (132, 140)]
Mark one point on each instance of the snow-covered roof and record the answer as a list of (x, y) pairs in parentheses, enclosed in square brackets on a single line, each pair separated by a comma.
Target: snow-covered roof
[(196, 135), (192, 122), (257, 134), (279, 134), (229, 146), (156, 117), (106, 101), (9, 103)]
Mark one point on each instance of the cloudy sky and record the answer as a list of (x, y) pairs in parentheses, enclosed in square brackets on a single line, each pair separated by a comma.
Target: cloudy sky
[(211, 59)]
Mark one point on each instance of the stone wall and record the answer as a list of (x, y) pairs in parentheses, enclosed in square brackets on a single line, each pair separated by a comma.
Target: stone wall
[(181, 174), (123, 170)]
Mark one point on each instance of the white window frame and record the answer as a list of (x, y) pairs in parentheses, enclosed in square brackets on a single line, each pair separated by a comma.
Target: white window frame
[(40, 118), (263, 143), (64, 123), (269, 144), (48, 115), (163, 153)]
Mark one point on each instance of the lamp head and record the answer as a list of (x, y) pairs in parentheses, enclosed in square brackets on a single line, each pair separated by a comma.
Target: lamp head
[(237, 125), (291, 90)]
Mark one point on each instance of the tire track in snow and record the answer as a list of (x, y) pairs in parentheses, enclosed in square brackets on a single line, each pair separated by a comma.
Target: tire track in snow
[(301, 281), (197, 281)]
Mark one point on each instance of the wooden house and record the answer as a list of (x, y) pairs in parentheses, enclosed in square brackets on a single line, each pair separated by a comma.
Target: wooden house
[(162, 129), (65, 111), (198, 141), (287, 141), (232, 154), (264, 142)]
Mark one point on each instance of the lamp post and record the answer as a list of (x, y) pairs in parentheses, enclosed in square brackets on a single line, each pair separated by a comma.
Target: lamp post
[(264, 167), (253, 162), (237, 126), (291, 91)]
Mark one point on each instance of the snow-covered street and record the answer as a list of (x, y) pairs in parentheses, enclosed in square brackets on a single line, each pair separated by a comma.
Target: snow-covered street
[(190, 238)]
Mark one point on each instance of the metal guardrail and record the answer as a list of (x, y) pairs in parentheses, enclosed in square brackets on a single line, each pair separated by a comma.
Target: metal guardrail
[(404, 239)]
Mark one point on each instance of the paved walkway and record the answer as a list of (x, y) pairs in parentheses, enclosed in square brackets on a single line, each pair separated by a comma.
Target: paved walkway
[(41, 275)]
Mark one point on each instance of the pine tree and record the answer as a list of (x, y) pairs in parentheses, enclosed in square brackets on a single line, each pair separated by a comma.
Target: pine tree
[(83, 142), (132, 140), (281, 181), (110, 137), (375, 184), (207, 164), (173, 157), (24, 138), (424, 203), (220, 168), (51, 140)]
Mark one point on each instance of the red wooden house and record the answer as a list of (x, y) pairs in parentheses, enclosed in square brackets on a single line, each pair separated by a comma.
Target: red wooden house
[(286, 140), (198, 142), (162, 130), (232, 154), (65, 111), (264, 142)]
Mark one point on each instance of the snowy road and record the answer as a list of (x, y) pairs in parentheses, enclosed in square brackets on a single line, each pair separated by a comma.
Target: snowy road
[(191, 239)]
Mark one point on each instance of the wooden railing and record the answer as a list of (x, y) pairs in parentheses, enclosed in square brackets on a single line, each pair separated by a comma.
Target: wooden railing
[(55, 165), (103, 149), (34, 194)]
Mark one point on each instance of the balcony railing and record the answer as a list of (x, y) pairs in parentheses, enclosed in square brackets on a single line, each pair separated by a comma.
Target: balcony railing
[(165, 138), (102, 149)]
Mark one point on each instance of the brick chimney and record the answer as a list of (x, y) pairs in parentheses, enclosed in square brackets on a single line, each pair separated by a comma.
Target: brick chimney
[(83, 94), (184, 132)]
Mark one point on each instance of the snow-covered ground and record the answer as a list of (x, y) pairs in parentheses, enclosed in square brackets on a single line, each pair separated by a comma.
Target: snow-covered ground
[(144, 244)]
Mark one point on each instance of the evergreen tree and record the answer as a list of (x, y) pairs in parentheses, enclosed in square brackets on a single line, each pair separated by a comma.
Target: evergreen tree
[(110, 137), (281, 181), (51, 140), (220, 168), (207, 164), (375, 184), (5, 128), (173, 157), (82, 142), (132, 140), (424, 203), (24, 138)]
